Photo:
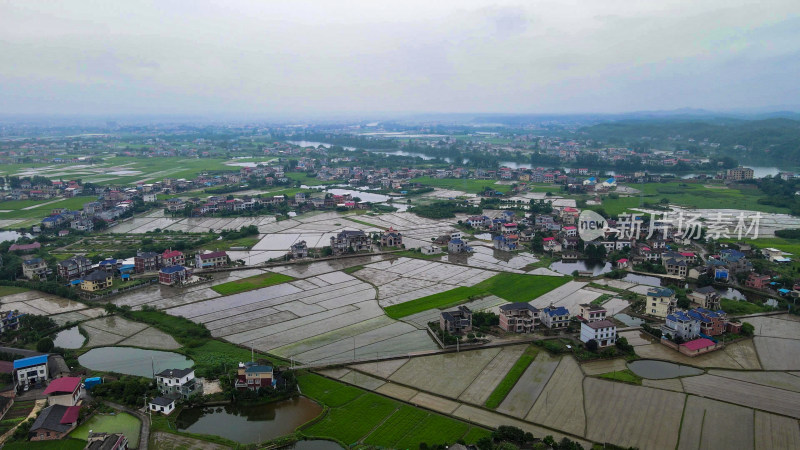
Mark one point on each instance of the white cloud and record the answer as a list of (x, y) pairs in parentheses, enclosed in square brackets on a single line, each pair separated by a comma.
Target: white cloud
[(464, 56)]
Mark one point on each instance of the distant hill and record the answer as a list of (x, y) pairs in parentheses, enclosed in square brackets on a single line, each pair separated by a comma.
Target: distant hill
[(773, 140)]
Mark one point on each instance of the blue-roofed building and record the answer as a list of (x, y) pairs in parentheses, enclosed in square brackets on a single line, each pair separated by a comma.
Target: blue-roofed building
[(505, 243), (9, 321), (173, 275), (31, 370), (554, 316), (682, 324), (456, 246)]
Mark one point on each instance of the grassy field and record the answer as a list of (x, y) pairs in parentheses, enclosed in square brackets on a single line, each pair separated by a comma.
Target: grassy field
[(9, 290), (741, 308), (509, 286), (250, 283), (468, 186), (118, 423), (357, 416), (625, 376), (693, 195), (40, 208), (501, 391)]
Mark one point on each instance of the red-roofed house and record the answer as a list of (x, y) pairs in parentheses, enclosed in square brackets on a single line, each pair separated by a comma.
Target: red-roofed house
[(689, 256), (64, 391), (621, 263), (570, 231), (172, 258), (25, 248), (551, 244), (697, 347)]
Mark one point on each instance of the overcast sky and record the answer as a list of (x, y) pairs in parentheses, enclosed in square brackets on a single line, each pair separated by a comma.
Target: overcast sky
[(318, 57)]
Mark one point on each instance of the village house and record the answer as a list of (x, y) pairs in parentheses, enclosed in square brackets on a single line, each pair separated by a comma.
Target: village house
[(660, 302), (252, 376), (456, 321), (675, 267), (54, 422), (106, 441), (550, 244), (712, 323), (35, 268), (757, 281), (706, 297), (65, 391), (172, 275), (350, 240), (775, 255), (211, 259), (97, 280), (456, 245), (591, 313), (508, 243), (555, 317), (391, 238), (679, 324), (25, 248), (163, 405), (518, 317), (178, 383), (430, 250), (172, 258), (9, 321), (31, 370), (147, 261), (604, 332), (75, 267), (299, 250)]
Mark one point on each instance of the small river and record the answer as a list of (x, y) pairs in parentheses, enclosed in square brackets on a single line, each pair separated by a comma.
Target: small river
[(250, 424), (133, 361)]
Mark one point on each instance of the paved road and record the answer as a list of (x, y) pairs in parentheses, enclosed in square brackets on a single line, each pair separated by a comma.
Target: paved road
[(144, 436)]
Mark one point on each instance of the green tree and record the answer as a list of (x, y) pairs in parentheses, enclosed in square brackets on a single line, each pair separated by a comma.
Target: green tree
[(45, 345)]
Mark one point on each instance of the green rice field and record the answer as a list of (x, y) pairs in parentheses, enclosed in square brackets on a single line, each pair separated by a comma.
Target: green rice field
[(512, 287), (250, 283), (357, 416)]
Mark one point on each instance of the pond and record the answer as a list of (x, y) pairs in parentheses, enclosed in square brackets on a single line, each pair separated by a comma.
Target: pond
[(629, 320), (69, 338), (659, 370), (642, 279), (251, 423), (484, 236), (733, 294), (567, 267), (133, 361), (12, 236), (364, 196)]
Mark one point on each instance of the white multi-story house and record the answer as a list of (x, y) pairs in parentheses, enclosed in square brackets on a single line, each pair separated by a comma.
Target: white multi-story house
[(682, 325), (178, 383), (604, 332), (660, 302), (31, 370)]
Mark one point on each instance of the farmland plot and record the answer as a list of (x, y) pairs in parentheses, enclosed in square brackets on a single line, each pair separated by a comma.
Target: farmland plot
[(772, 431), (670, 384), (604, 366), (560, 405), (381, 369), (777, 353), (756, 396), (652, 424), (445, 374), (331, 316), (492, 374), (524, 394), (712, 424), (780, 380), (744, 353), (775, 326), (396, 391)]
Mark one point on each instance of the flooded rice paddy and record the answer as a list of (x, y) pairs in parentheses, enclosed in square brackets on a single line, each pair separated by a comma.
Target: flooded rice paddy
[(133, 361)]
